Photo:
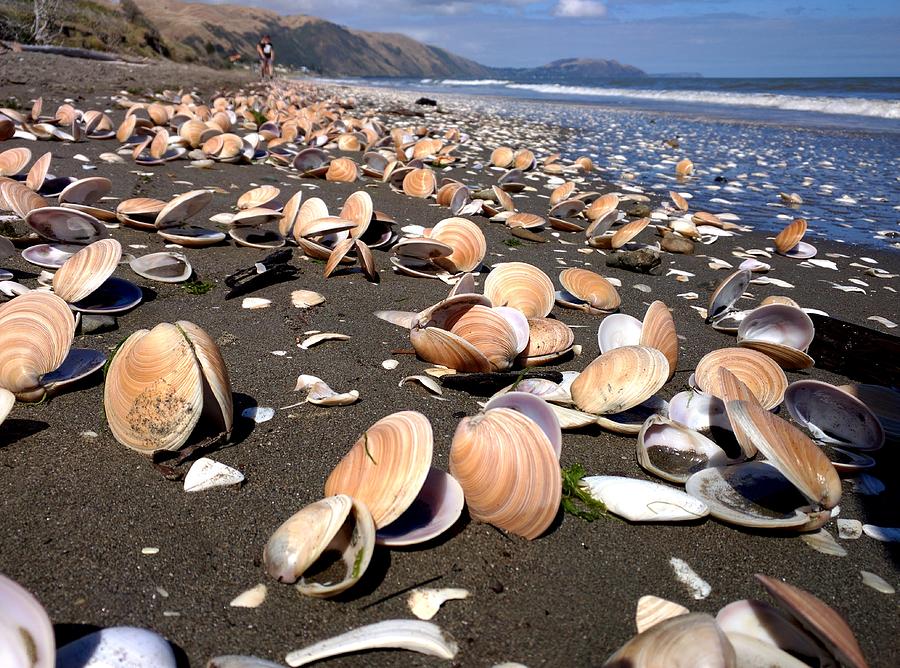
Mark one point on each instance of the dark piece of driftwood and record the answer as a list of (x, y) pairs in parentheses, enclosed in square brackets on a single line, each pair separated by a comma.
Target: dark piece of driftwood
[(858, 352), (485, 384)]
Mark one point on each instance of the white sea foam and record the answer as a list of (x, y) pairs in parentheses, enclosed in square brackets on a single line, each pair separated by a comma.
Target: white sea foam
[(474, 82), (853, 106)]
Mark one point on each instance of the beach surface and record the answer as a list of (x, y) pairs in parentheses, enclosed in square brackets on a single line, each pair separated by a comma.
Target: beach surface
[(79, 508)]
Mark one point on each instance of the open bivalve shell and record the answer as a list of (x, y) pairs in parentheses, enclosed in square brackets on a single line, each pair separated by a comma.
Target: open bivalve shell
[(726, 295), (684, 641), (833, 416), (87, 270), (658, 331), (759, 373), (521, 286), (66, 226), (335, 524), (467, 241), (883, 402), (674, 452), (26, 634), (139, 212), (588, 291), (548, 340), (159, 383), (166, 267), (620, 379), (508, 470), (36, 333), (780, 331), (387, 470)]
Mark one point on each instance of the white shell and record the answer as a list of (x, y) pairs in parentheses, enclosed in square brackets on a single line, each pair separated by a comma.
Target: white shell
[(252, 598), (26, 635), (206, 474), (425, 603), (413, 635), (618, 330), (118, 647), (643, 501)]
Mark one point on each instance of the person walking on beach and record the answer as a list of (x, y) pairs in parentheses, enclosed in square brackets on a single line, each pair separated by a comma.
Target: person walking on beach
[(266, 52)]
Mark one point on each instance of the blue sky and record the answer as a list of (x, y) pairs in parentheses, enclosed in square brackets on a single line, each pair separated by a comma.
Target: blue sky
[(738, 38)]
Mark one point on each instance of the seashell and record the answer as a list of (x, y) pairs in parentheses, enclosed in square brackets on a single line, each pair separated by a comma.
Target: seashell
[(833, 416), (436, 508), (680, 202), (820, 619), (601, 207), (685, 640), (620, 379), (191, 236), (19, 198), (750, 494), (876, 582), (521, 286), (727, 293), (508, 470), (38, 171), (409, 634), (658, 331), (261, 197), (336, 523), (306, 298), (527, 221), (561, 193), (252, 598), (85, 271), (759, 373), (629, 422), (342, 170), (651, 610), (253, 217), (790, 236), (206, 474), (182, 207), (425, 603), (166, 267), (67, 226), (490, 333), (547, 340), (386, 468), (289, 214), (501, 156), (466, 240), (139, 212), (316, 339), (674, 452), (585, 164), (524, 160), (118, 646), (535, 408), (622, 236), (790, 450), (419, 183), (644, 501), (7, 401), (883, 402), (778, 324), (448, 349), (14, 160), (252, 237), (590, 289), (359, 209), (751, 651), (85, 191), (684, 168), (26, 634), (759, 620), (618, 330), (154, 387)]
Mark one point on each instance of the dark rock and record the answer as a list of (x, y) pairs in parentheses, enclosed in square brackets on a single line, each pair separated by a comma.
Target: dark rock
[(643, 261), (638, 210), (97, 324), (274, 268), (426, 101)]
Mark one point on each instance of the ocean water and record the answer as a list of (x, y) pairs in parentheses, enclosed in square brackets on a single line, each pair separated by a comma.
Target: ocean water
[(835, 142)]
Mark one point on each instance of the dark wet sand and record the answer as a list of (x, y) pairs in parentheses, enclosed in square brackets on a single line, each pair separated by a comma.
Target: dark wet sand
[(78, 511)]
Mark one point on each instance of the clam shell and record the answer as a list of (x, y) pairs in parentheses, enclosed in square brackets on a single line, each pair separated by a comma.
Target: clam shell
[(622, 236), (501, 156), (524, 159), (467, 241), (591, 288), (342, 170), (85, 191), (253, 237), (216, 381), (658, 331), (182, 207), (684, 641), (753, 652), (651, 610), (504, 201), (644, 501), (521, 286), (618, 330), (36, 332), (785, 332), (818, 618), (139, 212), (49, 256), (153, 395), (833, 416), (20, 198), (7, 401), (727, 293), (27, 637), (67, 226), (759, 373), (490, 333), (620, 379), (526, 221), (674, 452), (790, 236), (38, 171), (386, 468), (359, 209), (547, 338), (601, 207), (684, 168), (419, 183), (311, 210), (535, 408), (289, 214), (508, 471), (680, 202), (561, 193), (263, 196), (448, 349), (118, 646), (85, 271), (751, 494), (338, 523), (790, 450), (166, 267), (883, 402), (436, 509), (13, 160), (191, 236)]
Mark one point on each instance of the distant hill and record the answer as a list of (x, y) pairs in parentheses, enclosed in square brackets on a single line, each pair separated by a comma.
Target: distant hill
[(217, 34)]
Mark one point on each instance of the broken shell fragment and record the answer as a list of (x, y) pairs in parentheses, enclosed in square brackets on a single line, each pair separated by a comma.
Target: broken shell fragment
[(336, 523), (644, 501), (425, 603), (651, 610), (685, 640)]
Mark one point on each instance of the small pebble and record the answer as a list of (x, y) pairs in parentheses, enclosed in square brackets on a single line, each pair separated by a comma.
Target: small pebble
[(876, 582), (849, 529), (150, 550)]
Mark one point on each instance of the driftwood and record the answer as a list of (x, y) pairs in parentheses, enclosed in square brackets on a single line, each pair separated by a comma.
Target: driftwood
[(75, 52), (863, 354)]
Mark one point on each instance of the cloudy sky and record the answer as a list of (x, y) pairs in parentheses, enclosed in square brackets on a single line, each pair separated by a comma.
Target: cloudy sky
[(714, 37)]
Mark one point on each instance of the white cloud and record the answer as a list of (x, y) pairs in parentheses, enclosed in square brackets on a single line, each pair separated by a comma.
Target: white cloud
[(580, 9)]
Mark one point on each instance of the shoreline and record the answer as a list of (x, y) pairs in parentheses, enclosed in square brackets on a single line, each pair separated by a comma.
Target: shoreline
[(79, 509)]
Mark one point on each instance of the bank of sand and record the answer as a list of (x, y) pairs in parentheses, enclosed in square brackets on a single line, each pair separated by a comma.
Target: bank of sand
[(78, 509)]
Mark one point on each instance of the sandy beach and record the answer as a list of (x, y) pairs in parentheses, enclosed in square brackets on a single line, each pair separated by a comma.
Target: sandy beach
[(79, 508)]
